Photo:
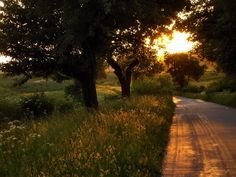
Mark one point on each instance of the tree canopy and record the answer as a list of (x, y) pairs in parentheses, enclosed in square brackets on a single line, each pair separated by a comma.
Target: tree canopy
[(66, 38), (184, 67), (213, 24)]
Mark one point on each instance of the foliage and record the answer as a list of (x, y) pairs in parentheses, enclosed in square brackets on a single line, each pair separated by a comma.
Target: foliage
[(218, 89), (68, 37), (9, 105), (223, 98), (161, 84), (148, 65), (129, 52), (213, 24), (74, 91), (37, 106), (225, 84), (183, 67), (193, 88), (12, 97), (117, 142)]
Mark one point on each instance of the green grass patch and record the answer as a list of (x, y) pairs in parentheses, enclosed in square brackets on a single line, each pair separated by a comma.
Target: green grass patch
[(161, 84), (224, 98), (127, 138), (208, 78), (212, 87)]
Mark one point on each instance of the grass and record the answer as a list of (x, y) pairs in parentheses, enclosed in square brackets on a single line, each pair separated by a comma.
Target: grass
[(128, 137), (161, 84), (224, 98), (208, 78), (32, 86), (212, 87)]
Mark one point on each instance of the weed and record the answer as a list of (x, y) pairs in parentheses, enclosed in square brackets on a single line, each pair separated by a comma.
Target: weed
[(125, 141), (157, 85)]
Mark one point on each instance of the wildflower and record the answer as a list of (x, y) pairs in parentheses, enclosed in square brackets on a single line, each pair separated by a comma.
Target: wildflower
[(97, 156)]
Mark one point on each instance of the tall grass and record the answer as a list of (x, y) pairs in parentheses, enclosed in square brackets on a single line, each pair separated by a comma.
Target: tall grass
[(220, 89), (127, 138), (161, 84), (224, 98), (12, 98)]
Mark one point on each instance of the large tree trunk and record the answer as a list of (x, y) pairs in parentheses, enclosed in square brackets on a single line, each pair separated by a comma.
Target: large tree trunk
[(83, 70), (88, 79), (89, 92), (125, 88), (124, 77)]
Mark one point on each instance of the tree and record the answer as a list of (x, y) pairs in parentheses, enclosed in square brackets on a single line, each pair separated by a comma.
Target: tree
[(148, 65), (139, 63), (65, 39), (213, 24), (183, 67), (128, 49)]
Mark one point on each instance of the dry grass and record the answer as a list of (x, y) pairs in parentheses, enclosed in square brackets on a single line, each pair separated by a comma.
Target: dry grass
[(127, 138)]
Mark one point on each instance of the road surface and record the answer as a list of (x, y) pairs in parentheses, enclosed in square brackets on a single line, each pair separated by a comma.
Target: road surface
[(202, 140)]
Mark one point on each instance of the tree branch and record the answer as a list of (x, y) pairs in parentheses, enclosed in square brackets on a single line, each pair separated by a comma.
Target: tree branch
[(134, 63), (115, 66)]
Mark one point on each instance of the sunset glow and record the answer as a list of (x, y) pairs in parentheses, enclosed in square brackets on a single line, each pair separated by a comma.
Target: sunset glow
[(4, 59), (178, 42)]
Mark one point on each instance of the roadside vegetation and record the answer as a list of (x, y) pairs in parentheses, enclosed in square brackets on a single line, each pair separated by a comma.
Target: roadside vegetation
[(213, 87), (128, 136), (116, 126)]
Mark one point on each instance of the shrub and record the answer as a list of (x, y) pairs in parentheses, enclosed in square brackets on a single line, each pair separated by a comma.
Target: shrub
[(193, 89), (9, 105), (74, 91), (156, 85), (183, 67), (10, 109), (36, 106), (64, 106), (222, 85)]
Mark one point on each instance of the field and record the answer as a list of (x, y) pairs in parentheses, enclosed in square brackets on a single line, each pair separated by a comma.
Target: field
[(213, 87), (128, 137)]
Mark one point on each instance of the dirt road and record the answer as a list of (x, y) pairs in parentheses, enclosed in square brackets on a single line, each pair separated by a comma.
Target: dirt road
[(202, 141)]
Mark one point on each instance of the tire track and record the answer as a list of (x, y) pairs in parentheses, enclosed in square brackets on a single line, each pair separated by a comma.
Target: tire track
[(195, 148), (223, 153), (183, 150)]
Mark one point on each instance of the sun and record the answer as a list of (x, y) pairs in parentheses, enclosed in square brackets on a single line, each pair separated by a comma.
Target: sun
[(4, 59), (177, 42)]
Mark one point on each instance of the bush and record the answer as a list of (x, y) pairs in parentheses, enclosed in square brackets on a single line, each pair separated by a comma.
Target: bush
[(10, 109), (64, 106), (156, 85), (36, 106), (222, 85), (183, 67), (9, 105), (193, 89), (74, 91)]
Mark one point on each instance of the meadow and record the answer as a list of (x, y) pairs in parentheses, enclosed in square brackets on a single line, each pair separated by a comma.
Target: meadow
[(127, 137), (213, 87)]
